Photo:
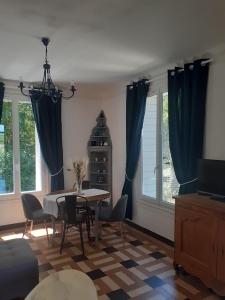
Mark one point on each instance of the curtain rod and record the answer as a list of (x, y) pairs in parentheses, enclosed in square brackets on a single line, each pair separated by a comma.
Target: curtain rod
[(164, 74), (203, 63)]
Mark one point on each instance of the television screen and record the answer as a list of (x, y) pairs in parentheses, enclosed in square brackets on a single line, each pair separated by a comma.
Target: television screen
[(211, 177)]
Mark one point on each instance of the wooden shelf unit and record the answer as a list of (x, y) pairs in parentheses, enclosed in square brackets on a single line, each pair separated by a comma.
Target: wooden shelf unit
[(100, 155)]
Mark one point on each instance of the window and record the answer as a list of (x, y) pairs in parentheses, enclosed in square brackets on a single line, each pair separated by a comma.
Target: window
[(6, 150), (30, 165), (149, 147), (21, 168), (158, 177)]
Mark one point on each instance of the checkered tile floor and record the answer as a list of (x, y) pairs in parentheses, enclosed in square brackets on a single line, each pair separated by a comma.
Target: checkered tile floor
[(138, 268)]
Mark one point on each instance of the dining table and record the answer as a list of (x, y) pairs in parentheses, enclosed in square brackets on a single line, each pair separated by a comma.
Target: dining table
[(93, 196)]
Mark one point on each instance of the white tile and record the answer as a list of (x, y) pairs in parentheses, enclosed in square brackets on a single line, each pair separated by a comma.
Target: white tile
[(110, 283), (167, 274), (114, 241), (111, 267), (155, 267), (139, 291), (143, 249), (124, 278), (83, 266), (133, 252), (103, 261), (138, 273), (121, 245), (122, 255), (145, 261)]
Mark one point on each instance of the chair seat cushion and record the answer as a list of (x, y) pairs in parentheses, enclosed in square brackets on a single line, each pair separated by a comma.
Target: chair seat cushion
[(40, 215), (18, 269)]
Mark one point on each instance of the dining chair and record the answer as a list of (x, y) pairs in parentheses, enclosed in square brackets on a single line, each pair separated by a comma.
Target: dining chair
[(73, 214), (116, 214), (85, 186), (33, 211)]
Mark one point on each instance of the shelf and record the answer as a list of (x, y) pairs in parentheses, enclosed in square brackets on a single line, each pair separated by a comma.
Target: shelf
[(100, 136), (99, 183), (99, 173), (98, 162), (99, 147)]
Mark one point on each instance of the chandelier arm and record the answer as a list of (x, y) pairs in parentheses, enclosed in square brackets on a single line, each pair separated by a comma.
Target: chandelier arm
[(22, 87), (69, 97)]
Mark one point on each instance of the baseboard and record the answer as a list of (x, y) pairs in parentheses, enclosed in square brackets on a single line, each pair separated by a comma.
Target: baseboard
[(12, 226), (16, 225), (150, 233)]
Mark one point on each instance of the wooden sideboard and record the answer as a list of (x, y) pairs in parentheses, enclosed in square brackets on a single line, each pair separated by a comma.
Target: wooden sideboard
[(200, 239)]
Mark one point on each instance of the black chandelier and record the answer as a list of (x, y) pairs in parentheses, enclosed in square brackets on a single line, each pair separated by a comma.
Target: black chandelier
[(47, 87)]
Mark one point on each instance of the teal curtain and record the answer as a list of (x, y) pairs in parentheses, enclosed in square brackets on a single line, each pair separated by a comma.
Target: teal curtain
[(47, 116), (135, 111), (2, 92), (186, 113)]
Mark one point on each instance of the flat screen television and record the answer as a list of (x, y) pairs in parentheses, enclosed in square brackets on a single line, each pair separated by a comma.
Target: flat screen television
[(211, 177)]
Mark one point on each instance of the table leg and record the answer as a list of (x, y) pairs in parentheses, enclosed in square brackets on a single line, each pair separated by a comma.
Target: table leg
[(96, 221), (53, 226)]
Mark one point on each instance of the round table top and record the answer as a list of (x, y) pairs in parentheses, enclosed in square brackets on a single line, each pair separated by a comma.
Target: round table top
[(64, 285)]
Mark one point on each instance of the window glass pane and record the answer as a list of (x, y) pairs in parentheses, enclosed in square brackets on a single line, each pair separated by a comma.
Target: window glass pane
[(30, 167), (6, 150), (170, 185), (149, 148)]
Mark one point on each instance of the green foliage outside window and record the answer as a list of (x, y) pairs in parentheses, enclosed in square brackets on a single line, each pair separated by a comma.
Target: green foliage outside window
[(6, 148), (27, 148)]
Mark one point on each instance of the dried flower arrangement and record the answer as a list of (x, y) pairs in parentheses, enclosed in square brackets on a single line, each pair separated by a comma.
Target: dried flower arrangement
[(80, 170)]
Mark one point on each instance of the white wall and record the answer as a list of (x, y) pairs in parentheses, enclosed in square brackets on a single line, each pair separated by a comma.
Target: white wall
[(78, 118), (114, 107), (215, 115)]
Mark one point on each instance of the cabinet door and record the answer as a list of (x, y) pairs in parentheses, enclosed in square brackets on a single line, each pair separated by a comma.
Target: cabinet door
[(195, 242), (221, 252)]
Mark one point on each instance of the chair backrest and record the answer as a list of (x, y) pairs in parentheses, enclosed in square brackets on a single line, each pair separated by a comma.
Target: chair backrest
[(30, 205), (119, 211), (67, 208)]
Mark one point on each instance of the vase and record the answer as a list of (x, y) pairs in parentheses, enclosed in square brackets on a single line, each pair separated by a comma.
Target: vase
[(79, 187)]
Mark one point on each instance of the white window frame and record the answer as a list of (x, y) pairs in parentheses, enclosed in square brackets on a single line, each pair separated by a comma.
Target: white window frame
[(158, 88), (15, 98)]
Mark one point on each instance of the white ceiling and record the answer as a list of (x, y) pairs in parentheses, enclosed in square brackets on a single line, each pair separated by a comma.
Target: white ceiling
[(104, 40)]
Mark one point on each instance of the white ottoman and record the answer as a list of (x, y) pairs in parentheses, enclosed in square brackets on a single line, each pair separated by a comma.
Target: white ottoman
[(67, 285)]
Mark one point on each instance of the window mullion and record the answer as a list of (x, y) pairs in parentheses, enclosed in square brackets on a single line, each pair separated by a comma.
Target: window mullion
[(159, 146), (16, 147)]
